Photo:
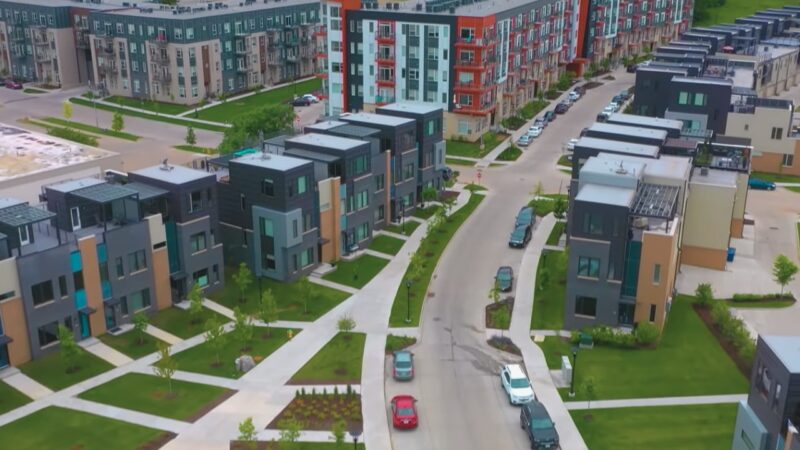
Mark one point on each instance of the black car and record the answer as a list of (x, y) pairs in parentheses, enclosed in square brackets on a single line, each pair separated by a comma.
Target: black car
[(602, 117), (534, 419), (632, 68), (618, 99), (520, 236), (549, 116), (561, 108), (300, 101)]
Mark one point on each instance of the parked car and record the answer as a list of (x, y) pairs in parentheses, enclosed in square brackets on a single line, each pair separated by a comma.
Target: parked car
[(549, 116), (524, 140), (525, 216), (540, 122), (11, 84), (562, 108), (534, 419), (580, 90), (571, 144), (608, 110), (447, 173), (758, 183), (535, 131), (301, 101), (631, 68), (520, 236), (603, 116), (615, 106), (574, 95), (625, 94), (404, 412), (504, 278), (312, 98), (403, 365), (584, 130), (618, 99), (516, 384)]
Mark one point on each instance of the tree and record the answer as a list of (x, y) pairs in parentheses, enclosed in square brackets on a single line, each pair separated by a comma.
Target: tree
[(117, 122), (245, 129), (195, 297), (247, 432), (243, 328), (268, 309), (646, 333), (289, 432), (345, 324), (429, 194), (560, 208), (338, 430), (448, 202), (215, 338), (166, 366), (306, 291), (784, 270), (605, 64), (589, 390), (243, 278), (191, 139), (415, 266), (140, 323), (70, 352), (494, 292), (704, 294), (539, 190), (66, 110)]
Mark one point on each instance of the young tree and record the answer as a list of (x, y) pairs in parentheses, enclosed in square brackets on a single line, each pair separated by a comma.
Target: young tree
[(166, 366), (306, 291), (704, 294), (66, 110), (338, 430), (243, 278), (784, 270), (589, 389), (268, 309), (70, 352), (544, 278), (243, 328), (215, 338), (429, 194), (345, 324), (560, 208), (494, 292), (140, 323), (448, 202), (538, 191), (245, 128), (247, 432), (117, 122), (191, 139), (415, 266), (195, 297), (289, 432)]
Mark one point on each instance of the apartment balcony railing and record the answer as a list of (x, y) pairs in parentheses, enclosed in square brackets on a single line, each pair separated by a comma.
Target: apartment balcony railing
[(241, 50), (385, 38), (385, 81), (241, 69), (470, 42), (383, 99), (291, 58), (162, 77), (44, 56), (385, 59)]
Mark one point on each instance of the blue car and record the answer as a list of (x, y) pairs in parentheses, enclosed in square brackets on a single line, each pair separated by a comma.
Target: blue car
[(758, 183), (403, 365)]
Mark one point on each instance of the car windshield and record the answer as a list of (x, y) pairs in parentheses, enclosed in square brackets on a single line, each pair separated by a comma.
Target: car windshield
[(405, 411), (541, 424), (503, 276), (403, 364), (519, 383), (518, 233)]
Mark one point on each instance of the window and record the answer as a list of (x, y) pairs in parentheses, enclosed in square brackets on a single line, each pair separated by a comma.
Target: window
[(294, 228), (683, 98), (201, 277), (195, 201), (408, 171), (788, 160), (62, 286), (764, 381), (589, 267), (137, 261), (362, 199), (585, 306), (140, 300), (362, 231), (592, 224), (379, 213), (777, 133), (652, 313), (380, 182), (215, 271), (198, 242), (700, 99), (747, 441), (307, 224), (656, 273), (48, 334), (306, 257), (120, 269), (267, 243), (359, 165), (42, 293)]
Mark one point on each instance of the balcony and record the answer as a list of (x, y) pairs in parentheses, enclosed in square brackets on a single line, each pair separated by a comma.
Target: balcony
[(44, 57), (384, 99), (470, 87), (385, 38), (291, 58), (385, 82), (160, 41), (241, 69), (241, 50), (160, 58), (475, 110), (162, 77), (470, 42)]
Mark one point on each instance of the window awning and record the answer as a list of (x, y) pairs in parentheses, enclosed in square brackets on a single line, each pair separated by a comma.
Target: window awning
[(87, 310), (23, 214), (104, 193)]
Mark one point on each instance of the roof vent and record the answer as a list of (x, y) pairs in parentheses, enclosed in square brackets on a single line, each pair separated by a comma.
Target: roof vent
[(621, 170), (165, 166)]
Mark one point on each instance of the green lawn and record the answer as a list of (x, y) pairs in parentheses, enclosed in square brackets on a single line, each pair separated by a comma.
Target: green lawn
[(733, 9), (150, 394), (49, 370), (178, 322), (11, 398), (776, 177), (510, 154), (59, 428), (548, 303), (149, 105), (92, 129), (556, 232), (406, 228), (298, 445), (394, 343), (460, 162), (432, 247), (233, 108), (33, 91), (695, 427), (688, 361), (386, 244), (795, 189), (544, 207), (202, 359), (128, 343), (196, 149), (564, 161), (472, 187), (288, 296), (358, 272), (533, 108), (143, 115), (473, 149), (426, 213), (339, 361)]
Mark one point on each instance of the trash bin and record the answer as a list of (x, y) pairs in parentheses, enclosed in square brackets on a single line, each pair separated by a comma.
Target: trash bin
[(731, 253)]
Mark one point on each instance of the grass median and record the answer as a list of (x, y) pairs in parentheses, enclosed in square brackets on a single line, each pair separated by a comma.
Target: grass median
[(143, 115), (357, 272), (433, 246), (92, 129), (228, 111)]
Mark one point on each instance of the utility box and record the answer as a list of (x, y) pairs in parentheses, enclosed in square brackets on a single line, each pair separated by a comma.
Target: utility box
[(566, 370)]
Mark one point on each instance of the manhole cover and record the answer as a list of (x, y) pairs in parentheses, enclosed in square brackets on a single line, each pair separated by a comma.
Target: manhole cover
[(774, 228)]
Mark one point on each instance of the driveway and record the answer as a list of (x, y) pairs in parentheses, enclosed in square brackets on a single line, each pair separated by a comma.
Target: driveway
[(461, 405)]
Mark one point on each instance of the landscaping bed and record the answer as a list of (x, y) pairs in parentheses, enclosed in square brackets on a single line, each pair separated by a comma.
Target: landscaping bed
[(505, 344), (395, 343), (33, 91), (472, 187), (150, 394), (406, 228), (196, 149), (513, 122), (498, 315), (320, 410), (743, 363), (50, 369), (386, 244), (543, 206), (357, 272), (466, 148), (553, 94), (176, 321), (426, 213), (130, 344), (338, 362), (300, 445), (91, 129), (550, 291), (530, 110), (761, 301), (564, 160), (510, 154), (592, 84)]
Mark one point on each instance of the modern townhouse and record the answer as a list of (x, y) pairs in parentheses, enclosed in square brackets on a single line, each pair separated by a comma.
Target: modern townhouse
[(187, 54), (769, 418)]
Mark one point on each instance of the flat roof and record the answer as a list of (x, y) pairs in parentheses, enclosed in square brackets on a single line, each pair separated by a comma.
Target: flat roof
[(311, 154), (787, 349), (5, 202), (644, 120), (24, 152), (378, 119), (106, 4), (726, 178), (667, 166), (326, 125), (271, 161), (607, 195), (702, 80), (146, 191), (195, 10), (618, 146), (411, 107), (666, 67), (356, 130), (326, 141), (72, 185), (688, 144), (616, 167), (625, 130), (172, 174)]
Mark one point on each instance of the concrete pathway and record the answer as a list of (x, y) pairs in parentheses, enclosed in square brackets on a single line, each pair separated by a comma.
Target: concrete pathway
[(662, 401), (105, 352), (373, 403), (562, 333), (124, 415), (155, 115), (520, 331), (378, 254), (158, 333), (27, 385), (305, 436), (216, 307), (333, 285), (199, 378), (394, 235)]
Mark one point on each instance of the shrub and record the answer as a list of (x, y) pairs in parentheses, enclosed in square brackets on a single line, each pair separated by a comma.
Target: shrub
[(646, 334), (607, 336), (760, 297), (72, 135), (704, 294)]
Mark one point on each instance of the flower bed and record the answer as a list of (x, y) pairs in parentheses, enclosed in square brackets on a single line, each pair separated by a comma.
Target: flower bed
[(319, 411)]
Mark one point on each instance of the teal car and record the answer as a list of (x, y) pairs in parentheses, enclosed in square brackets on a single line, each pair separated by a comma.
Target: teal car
[(504, 278), (403, 365), (758, 183)]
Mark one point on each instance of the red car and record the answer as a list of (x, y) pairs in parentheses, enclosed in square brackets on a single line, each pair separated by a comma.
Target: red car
[(404, 412), (11, 84)]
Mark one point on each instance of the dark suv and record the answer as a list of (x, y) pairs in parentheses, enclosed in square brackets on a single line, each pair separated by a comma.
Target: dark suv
[(534, 419)]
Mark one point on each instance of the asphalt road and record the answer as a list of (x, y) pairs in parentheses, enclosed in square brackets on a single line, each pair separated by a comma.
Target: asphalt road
[(460, 401)]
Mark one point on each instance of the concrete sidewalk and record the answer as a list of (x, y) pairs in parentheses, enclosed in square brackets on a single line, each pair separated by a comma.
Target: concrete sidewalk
[(216, 307), (661, 401), (520, 331), (333, 285), (124, 415), (27, 385), (158, 333), (104, 352)]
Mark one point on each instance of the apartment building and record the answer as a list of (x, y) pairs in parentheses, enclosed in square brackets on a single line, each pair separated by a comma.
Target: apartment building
[(768, 418), (186, 54)]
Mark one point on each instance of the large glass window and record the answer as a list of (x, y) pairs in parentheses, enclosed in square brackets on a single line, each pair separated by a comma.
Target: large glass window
[(592, 224), (198, 242), (268, 187), (380, 181), (683, 98), (589, 267), (359, 165), (139, 300), (137, 261), (700, 99), (267, 244), (42, 292), (48, 334), (201, 277), (195, 201), (585, 306), (302, 184), (362, 199)]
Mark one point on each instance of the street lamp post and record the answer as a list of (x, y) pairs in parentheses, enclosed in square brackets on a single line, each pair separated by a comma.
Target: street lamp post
[(403, 215), (408, 301), (355, 433), (574, 363), (260, 290)]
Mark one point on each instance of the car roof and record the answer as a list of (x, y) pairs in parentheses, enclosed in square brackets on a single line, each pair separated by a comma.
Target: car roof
[(536, 409), (521, 228), (515, 371), (403, 400), (402, 355)]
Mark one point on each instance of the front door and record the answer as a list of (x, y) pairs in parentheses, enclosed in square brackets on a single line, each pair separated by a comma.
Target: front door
[(75, 218), (111, 317), (626, 311), (86, 327), (4, 361)]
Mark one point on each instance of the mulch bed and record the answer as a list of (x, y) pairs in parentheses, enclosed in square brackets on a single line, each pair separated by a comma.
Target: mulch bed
[(209, 406), (592, 85), (321, 411), (727, 345), (505, 344), (507, 303), (609, 78), (158, 442)]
